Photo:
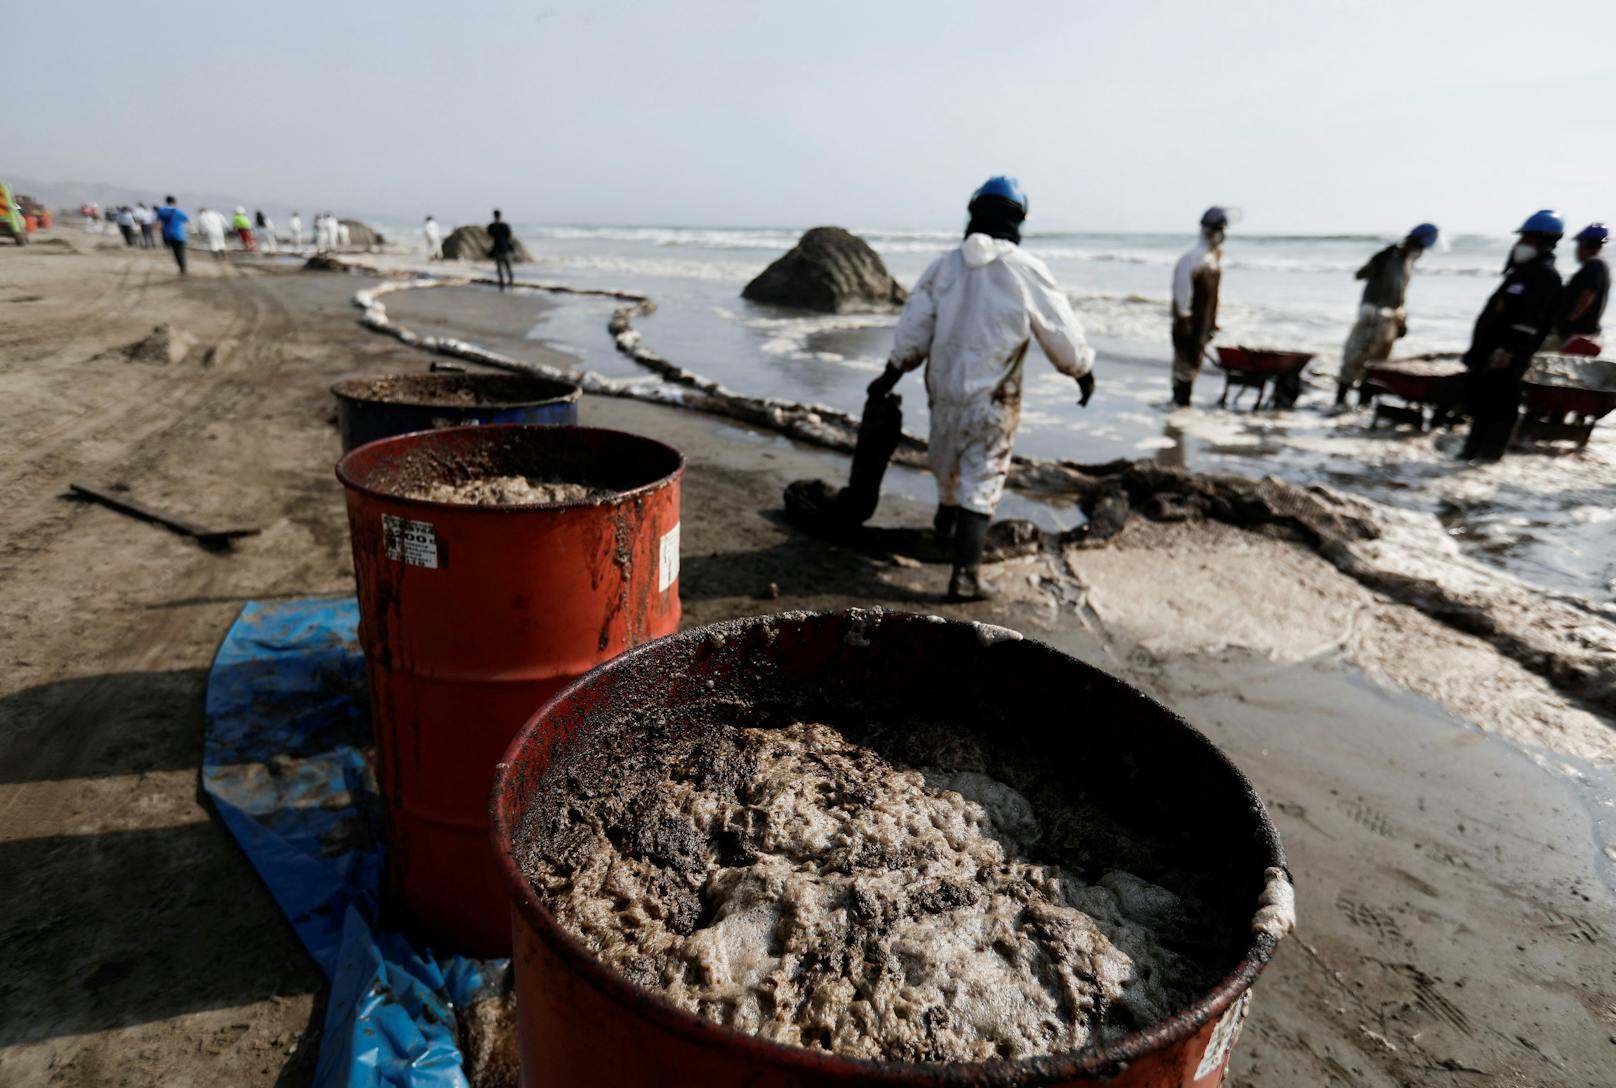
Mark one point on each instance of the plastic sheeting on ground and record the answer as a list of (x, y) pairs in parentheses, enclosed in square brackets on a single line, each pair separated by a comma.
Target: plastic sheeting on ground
[(283, 762)]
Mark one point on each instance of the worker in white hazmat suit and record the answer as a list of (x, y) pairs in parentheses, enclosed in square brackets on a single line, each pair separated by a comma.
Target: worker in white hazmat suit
[(295, 226), (264, 231), (433, 235), (970, 318), (213, 224)]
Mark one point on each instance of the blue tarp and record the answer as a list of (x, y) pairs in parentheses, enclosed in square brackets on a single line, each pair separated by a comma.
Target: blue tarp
[(283, 762)]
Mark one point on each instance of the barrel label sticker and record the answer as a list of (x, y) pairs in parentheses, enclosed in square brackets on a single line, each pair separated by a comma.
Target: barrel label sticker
[(1223, 1037), (414, 542), (668, 560)]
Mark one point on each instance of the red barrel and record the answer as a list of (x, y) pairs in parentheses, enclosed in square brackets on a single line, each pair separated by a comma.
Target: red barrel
[(1075, 729), (472, 616)]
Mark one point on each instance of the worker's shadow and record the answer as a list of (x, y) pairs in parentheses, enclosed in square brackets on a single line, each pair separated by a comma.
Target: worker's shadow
[(801, 566)]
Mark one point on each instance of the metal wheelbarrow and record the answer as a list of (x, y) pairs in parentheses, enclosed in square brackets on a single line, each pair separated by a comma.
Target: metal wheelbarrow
[(1253, 368), (1436, 384), (1563, 397)]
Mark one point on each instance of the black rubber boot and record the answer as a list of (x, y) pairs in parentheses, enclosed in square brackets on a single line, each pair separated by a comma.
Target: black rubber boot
[(970, 541), (1181, 394), (945, 521), (1341, 391)]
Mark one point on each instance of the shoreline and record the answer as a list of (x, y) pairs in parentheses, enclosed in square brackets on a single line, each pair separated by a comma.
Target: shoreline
[(1449, 884), (1568, 641)]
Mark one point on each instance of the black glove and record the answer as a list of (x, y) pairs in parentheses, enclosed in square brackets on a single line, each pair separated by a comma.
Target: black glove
[(885, 383), (1086, 385)]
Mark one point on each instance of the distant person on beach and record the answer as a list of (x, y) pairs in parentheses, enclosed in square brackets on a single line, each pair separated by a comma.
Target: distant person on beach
[(126, 224), (1382, 318), (264, 230), (1512, 326), (243, 228), (434, 239), (344, 238), (970, 319), (173, 221), (1196, 280), (500, 248), (1587, 292), (294, 225), (144, 218), (213, 224)]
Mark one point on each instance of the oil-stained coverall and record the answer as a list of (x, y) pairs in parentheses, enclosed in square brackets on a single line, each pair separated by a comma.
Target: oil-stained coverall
[(1381, 317), (971, 318)]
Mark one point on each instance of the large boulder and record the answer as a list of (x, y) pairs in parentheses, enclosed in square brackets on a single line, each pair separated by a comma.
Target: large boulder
[(473, 244), (830, 270), (363, 235)]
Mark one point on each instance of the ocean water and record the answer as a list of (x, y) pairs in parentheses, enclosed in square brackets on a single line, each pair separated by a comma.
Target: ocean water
[(1296, 292), (1548, 517)]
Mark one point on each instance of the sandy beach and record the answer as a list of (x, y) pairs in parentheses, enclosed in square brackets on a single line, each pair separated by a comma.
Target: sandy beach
[(1447, 809)]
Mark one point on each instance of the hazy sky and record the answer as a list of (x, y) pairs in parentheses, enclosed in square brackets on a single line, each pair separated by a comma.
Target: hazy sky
[(1315, 118)]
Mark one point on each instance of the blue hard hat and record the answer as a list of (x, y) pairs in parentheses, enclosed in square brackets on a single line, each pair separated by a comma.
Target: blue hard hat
[(1215, 217), (1543, 222), (1425, 234), (1595, 233), (1001, 186)]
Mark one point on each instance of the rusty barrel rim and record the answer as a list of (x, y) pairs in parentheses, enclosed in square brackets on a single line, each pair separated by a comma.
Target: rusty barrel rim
[(508, 807), (547, 391), (471, 436)]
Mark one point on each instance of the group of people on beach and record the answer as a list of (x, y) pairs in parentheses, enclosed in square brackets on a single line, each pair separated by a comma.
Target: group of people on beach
[(975, 311), (134, 223), (501, 246), (1531, 311), (253, 234)]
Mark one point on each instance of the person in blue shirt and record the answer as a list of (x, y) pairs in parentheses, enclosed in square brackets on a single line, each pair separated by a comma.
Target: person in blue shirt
[(173, 221)]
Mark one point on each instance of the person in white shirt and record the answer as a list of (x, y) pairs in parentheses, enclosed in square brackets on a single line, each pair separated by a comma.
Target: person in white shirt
[(294, 226), (970, 318), (1196, 280), (144, 219), (434, 239)]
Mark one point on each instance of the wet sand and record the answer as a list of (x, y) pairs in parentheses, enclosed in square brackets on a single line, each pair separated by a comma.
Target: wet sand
[(1456, 913)]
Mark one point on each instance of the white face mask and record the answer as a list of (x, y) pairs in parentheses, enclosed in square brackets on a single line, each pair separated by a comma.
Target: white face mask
[(1522, 253)]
